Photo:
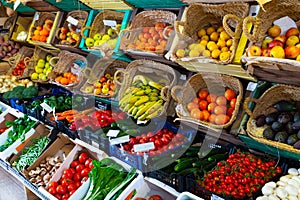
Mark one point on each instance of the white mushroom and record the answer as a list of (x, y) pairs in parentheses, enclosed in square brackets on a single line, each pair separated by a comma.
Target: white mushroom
[(296, 178), (281, 193), (273, 197), (284, 179), (271, 184), (281, 183), (292, 190), (293, 183), (262, 198), (292, 197), (293, 171), (266, 190)]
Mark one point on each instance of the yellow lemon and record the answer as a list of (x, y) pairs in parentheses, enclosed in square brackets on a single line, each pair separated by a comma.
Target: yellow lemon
[(34, 76), (229, 43), (191, 46), (199, 47), (214, 36), (224, 56), (205, 37), (224, 49), (215, 53), (180, 53), (203, 42), (224, 35), (220, 29), (201, 32), (221, 43), (206, 53), (210, 30), (194, 53), (211, 45)]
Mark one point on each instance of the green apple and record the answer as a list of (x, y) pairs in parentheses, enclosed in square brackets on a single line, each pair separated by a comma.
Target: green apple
[(44, 71), (99, 42), (89, 42), (34, 76), (97, 36), (41, 63), (111, 32), (48, 57), (42, 76), (105, 37), (105, 89), (38, 69), (47, 65)]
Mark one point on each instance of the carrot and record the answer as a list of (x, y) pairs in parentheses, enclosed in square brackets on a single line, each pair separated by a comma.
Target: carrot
[(70, 112), (70, 118)]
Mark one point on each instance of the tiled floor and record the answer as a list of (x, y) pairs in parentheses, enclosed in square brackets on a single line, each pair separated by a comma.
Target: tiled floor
[(10, 188)]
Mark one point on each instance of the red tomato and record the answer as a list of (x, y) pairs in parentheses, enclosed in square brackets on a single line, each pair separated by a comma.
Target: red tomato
[(71, 187), (84, 179), (165, 140), (65, 182), (68, 173), (155, 197), (87, 162), (83, 157), (158, 143), (79, 168), (53, 184), (85, 172), (91, 166), (77, 184), (77, 177), (52, 190), (74, 164), (61, 189), (150, 134), (58, 196), (65, 196), (72, 192), (73, 171)]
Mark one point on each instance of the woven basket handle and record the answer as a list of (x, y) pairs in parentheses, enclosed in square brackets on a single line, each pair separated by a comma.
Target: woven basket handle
[(176, 26), (82, 31), (87, 72), (57, 33), (246, 102), (227, 27), (164, 93), (165, 30), (12, 60), (246, 21), (174, 95), (27, 61), (116, 75), (52, 60)]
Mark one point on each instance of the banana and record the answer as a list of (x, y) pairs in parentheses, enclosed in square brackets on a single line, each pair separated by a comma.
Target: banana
[(155, 85), (140, 78), (130, 110), (127, 107), (153, 108), (129, 90), (125, 99), (157, 112), (148, 91), (142, 100), (135, 110), (142, 117), (143, 108), (153, 94), (139, 93), (134, 99), (152, 98)]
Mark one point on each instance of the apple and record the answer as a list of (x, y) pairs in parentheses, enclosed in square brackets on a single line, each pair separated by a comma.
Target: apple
[(298, 45), (89, 42), (97, 85), (298, 58), (265, 43), (112, 86), (62, 36), (274, 31), (64, 30), (281, 38), (111, 32), (97, 36), (277, 52), (292, 40), (254, 51), (89, 89), (48, 57), (75, 36), (291, 52), (102, 79), (291, 32), (105, 89), (266, 52), (97, 91), (275, 43), (41, 63), (99, 42)]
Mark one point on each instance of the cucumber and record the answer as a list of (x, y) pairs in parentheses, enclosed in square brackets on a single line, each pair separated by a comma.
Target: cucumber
[(187, 171), (193, 148), (183, 159), (208, 167), (201, 163), (191, 154), (217, 157), (131, 132), (211, 152), (121, 134), (184, 164)]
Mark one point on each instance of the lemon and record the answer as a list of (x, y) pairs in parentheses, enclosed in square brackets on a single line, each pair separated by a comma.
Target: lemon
[(229, 42), (194, 53), (180, 53), (224, 55), (38, 69), (215, 53), (220, 29), (42, 76), (192, 46), (224, 49), (210, 30), (211, 46), (206, 53), (214, 36), (105, 37), (221, 43), (201, 32), (199, 47), (224, 35), (204, 42), (34, 76)]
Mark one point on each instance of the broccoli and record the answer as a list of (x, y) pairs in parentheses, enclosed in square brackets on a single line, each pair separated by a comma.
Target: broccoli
[(7, 95), (30, 92), (18, 89)]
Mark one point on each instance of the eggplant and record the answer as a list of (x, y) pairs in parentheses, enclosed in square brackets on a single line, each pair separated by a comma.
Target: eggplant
[(284, 106)]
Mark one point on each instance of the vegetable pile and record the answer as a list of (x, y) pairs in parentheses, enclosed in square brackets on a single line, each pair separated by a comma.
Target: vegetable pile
[(19, 128), (31, 153), (21, 92), (8, 82), (240, 176)]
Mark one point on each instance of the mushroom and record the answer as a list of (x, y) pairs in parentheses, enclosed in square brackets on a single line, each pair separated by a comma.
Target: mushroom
[(43, 172), (33, 180), (51, 161), (43, 165), (57, 159), (49, 168), (31, 174), (293, 171), (46, 178), (267, 190)]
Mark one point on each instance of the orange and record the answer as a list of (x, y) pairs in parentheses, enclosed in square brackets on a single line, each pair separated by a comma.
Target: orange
[(203, 105), (221, 101), (221, 119), (233, 102), (212, 118), (211, 107), (64, 81), (206, 115), (67, 75), (73, 78), (58, 79), (39, 28), (230, 94), (211, 98), (43, 38), (36, 32), (44, 32), (229, 112), (202, 94), (220, 110), (191, 106), (196, 113)]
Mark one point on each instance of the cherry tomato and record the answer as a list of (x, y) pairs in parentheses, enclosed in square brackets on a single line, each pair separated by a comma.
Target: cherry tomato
[(83, 157), (77, 184), (74, 164), (85, 172), (65, 196), (158, 143), (77, 177), (155, 197), (73, 171), (68, 173), (52, 190), (79, 168), (84, 179), (61, 189), (53, 184), (87, 162), (58, 196), (71, 187), (65, 182), (72, 192)]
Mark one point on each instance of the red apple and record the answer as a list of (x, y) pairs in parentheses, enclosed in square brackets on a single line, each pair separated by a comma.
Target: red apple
[(254, 51), (291, 52), (275, 43), (62, 36), (291, 32), (112, 86), (281, 38), (102, 79), (274, 31), (64, 30), (265, 43), (266, 52)]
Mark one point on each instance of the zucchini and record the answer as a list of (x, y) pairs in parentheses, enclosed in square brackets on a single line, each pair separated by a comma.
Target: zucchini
[(208, 167), (211, 152), (187, 171), (184, 164), (201, 163), (217, 157), (183, 159)]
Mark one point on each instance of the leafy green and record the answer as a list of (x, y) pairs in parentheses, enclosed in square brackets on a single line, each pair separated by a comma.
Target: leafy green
[(21, 92), (107, 177), (30, 92)]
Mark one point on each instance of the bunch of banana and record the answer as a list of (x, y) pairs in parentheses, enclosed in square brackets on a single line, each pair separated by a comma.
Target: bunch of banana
[(143, 99)]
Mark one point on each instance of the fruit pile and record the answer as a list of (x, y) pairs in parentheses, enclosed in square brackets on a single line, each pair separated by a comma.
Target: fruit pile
[(67, 78), (152, 38), (19, 69), (163, 140), (282, 125), (143, 99), (68, 36), (212, 108), (41, 33), (103, 86), (240, 176), (278, 45), (213, 43), (72, 177), (7, 48), (42, 69), (110, 38)]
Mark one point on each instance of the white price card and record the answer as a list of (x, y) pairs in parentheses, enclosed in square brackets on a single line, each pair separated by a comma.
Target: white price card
[(183, 77), (16, 4), (141, 122), (113, 133), (285, 24), (119, 140), (215, 197), (36, 16), (143, 147), (111, 23), (72, 20), (251, 86), (46, 107)]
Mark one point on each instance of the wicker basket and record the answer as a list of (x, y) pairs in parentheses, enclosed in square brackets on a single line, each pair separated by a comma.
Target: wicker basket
[(215, 83), (40, 53), (100, 68), (79, 15), (229, 15), (264, 105), (25, 53), (146, 19), (262, 23), (65, 63), (154, 71)]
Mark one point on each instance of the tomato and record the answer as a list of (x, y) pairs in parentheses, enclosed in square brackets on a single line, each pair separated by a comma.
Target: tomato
[(68, 173), (73, 171), (77, 184), (155, 197), (139, 198), (74, 164), (203, 105), (77, 177), (196, 100), (85, 172), (191, 106), (230, 94), (221, 101), (220, 110), (79, 168), (65, 182), (72, 192), (196, 114), (202, 94), (65, 196), (83, 157), (87, 162), (58, 196), (229, 112), (165, 140), (71, 187), (84, 179), (61, 189), (211, 98), (206, 115), (53, 184), (52, 190)]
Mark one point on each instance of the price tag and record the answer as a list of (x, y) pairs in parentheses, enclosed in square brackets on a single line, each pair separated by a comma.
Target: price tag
[(46, 107), (251, 86), (16, 4), (143, 147), (285, 24), (119, 140), (113, 133), (72, 21), (183, 77), (215, 197), (36, 16), (141, 122), (110, 23)]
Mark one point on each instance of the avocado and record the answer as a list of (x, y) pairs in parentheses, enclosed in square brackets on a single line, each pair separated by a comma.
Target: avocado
[(281, 136), (297, 116), (268, 133), (292, 139), (289, 128), (270, 118), (260, 121), (276, 126), (297, 145), (284, 106), (284, 118)]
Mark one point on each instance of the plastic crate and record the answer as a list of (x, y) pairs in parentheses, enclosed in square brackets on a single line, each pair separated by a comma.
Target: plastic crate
[(140, 162), (95, 139), (61, 126), (14, 104), (36, 113)]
